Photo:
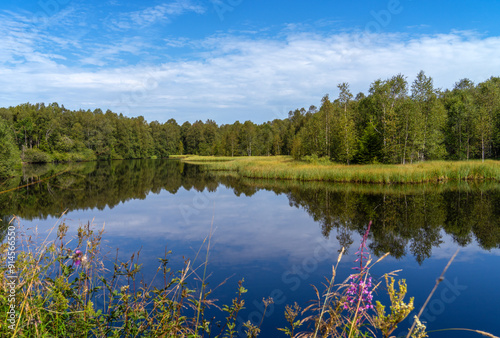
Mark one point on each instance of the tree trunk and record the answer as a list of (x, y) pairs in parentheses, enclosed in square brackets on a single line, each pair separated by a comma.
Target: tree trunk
[(482, 147)]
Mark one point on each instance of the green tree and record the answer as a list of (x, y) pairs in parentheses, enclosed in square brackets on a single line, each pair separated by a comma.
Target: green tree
[(248, 137), (345, 126), (460, 127), (389, 98), (369, 146), (488, 104), (172, 132), (430, 119), (326, 113), (9, 153)]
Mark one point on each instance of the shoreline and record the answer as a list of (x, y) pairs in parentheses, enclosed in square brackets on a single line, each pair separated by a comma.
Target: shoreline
[(286, 168)]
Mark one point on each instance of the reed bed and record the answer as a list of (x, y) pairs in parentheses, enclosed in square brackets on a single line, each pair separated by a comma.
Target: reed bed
[(203, 159), (285, 168), (360, 188)]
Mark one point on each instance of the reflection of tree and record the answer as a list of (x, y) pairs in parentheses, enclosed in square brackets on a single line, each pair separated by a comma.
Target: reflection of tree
[(485, 226), (423, 242), (402, 221), (97, 185), (405, 218), (344, 236), (4, 226)]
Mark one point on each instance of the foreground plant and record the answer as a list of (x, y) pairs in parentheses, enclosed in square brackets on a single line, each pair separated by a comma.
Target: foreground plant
[(348, 311), (399, 309), (65, 288)]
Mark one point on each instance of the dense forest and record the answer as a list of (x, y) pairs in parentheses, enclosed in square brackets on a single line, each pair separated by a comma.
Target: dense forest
[(395, 123)]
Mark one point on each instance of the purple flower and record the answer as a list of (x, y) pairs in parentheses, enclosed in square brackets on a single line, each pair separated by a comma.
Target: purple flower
[(77, 257), (359, 291), (362, 251)]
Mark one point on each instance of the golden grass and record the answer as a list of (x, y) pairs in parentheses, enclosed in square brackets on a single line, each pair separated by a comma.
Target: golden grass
[(284, 167)]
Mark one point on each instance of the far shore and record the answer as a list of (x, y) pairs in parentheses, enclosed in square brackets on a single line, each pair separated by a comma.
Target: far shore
[(286, 168)]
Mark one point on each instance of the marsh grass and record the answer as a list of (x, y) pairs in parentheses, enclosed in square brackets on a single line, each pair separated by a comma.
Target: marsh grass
[(285, 168), (359, 188)]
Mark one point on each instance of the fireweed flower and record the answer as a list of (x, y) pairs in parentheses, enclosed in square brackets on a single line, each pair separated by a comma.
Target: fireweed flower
[(362, 252), (359, 290), (77, 257)]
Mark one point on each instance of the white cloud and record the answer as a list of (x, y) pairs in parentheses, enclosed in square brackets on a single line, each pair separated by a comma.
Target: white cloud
[(151, 15), (230, 77)]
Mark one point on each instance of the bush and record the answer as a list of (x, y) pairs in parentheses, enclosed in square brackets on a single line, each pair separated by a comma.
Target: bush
[(80, 156), (35, 155), (314, 159), (60, 157), (83, 155)]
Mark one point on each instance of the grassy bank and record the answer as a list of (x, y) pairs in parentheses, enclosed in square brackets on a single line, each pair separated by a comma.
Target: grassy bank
[(226, 177), (284, 167)]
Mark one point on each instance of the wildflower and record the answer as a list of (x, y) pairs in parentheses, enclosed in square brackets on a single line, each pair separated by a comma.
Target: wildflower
[(359, 292), (77, 257), (362, 251), (359, 296)]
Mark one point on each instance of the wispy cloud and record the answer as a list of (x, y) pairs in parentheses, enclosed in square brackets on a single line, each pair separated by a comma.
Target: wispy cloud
[(230, 76), (157, 14)]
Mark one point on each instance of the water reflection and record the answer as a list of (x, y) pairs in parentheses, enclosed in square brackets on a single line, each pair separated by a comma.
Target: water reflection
[(407, 218)]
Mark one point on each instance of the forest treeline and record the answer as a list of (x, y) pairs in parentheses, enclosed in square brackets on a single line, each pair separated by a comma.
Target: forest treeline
[(396, 122)]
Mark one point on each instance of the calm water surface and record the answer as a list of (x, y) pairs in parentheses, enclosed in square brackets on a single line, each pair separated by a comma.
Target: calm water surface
[(281, 237)]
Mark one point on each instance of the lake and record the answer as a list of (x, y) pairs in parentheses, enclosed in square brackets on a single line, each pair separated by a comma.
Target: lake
[(281, 237)]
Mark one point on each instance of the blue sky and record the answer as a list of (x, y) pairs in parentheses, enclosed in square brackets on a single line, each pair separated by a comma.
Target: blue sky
[(233, 60)]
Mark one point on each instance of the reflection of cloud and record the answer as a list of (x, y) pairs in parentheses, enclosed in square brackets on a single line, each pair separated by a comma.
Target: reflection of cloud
[(467, 254), (259, 228), (264, 240)]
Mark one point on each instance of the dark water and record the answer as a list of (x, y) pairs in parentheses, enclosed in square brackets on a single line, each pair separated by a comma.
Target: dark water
[(283, 236)]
